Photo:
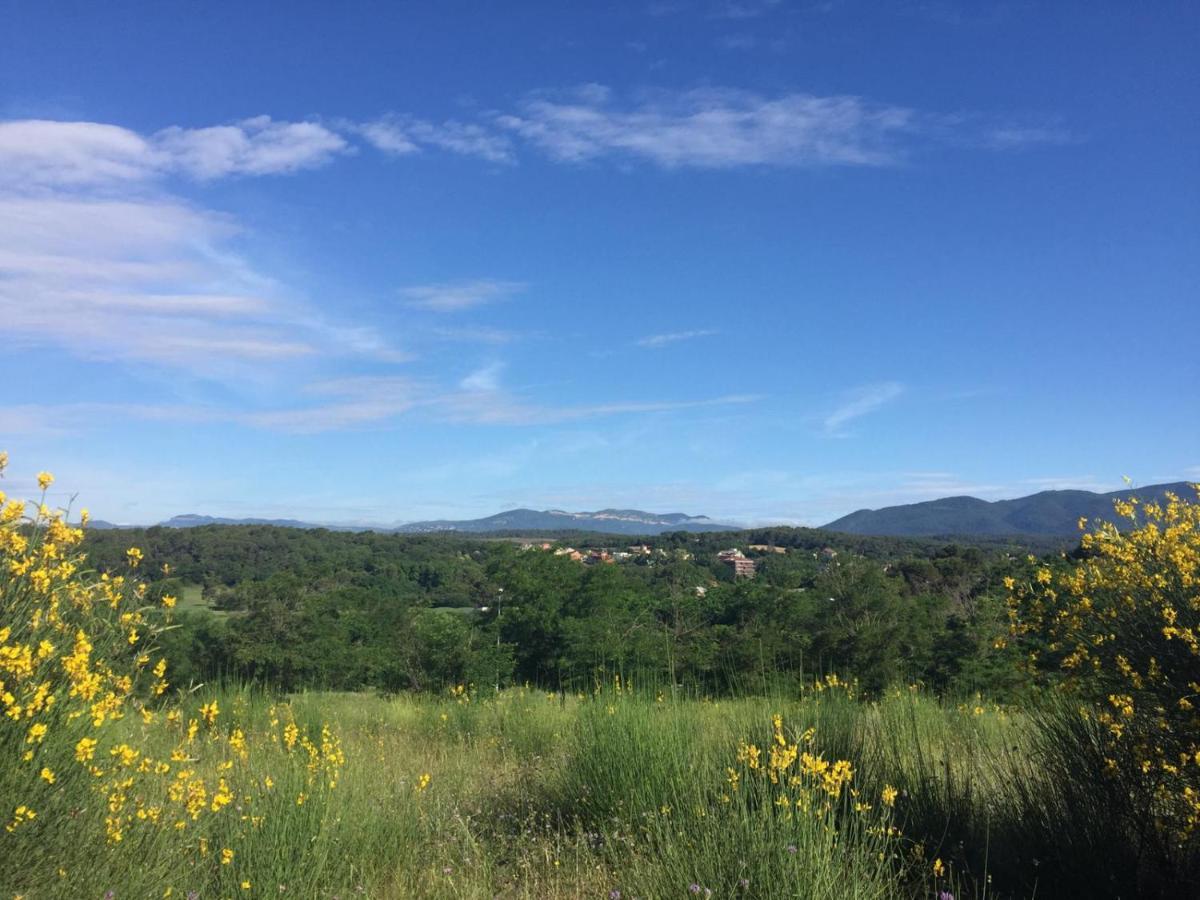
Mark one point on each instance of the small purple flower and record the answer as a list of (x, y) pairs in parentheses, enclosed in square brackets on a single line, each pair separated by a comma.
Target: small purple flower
[(110, 895), (792, 849), (193, 895), (446, 870), (945, 895), (694, 888), (614, 894), (743, 883)]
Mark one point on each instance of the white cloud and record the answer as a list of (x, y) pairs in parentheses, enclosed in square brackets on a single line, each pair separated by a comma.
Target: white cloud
[(500, 408), (477, 334), (152, 280), (36, 152), (662, 340), (715, 128), (43, 153), (748, 9), (456, 296), (402, 135), (860, 402), (257, 146), (1017, 137), (359, 401), (485, 380)]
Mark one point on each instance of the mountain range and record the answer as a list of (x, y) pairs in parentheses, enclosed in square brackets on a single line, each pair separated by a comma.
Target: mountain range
[(1045, 513), (613, 521)]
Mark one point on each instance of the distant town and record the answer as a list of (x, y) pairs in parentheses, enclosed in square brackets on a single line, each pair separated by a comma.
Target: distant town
[(743, 563)]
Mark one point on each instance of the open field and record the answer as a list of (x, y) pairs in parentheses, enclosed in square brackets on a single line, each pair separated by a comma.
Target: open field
[(619, 793)]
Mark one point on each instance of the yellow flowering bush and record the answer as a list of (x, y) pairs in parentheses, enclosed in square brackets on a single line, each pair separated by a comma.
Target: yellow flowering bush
[(1121, 627), (93, 750)]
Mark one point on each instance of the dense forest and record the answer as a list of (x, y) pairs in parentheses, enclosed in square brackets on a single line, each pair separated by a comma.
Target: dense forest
[(319, 609)]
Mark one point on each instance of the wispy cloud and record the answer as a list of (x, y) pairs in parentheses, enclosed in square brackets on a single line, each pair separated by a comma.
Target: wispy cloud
[(714, 128), (455, 296), (476, 334), (355, 401), (860, 402), (745, 9), (1018, 137), (486, 379), (152, 279), (502, 409), (655, 341), (99, 258), (36, 152), (401, 135)]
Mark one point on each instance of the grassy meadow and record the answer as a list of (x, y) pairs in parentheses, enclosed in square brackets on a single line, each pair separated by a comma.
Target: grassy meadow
[(620, 793)]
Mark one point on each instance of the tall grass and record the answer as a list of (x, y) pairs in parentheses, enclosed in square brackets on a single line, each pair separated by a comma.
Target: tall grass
[(531, 794)]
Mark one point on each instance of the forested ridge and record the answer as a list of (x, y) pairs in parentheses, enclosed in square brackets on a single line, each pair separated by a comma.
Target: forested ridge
[(321, 609)]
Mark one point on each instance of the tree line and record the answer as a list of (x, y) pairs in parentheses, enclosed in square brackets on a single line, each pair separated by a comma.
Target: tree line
[(350, 611)]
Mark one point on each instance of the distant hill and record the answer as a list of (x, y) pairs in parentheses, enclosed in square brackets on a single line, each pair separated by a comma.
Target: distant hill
[(610, 521), (1044, 513), (101, 525), (192, 520)]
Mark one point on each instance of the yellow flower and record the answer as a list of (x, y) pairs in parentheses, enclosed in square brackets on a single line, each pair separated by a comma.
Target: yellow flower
[(134, 555), (168, 601), (85, 749), (245, 885), (889, 795), (47, 775), (209, 712), (226, 856), (939, 868), (44, 480)]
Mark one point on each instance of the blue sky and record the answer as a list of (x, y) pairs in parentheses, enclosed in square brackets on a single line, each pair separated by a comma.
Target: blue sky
[(756, 260)]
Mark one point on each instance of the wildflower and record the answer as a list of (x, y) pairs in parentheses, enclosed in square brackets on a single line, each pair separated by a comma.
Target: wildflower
[(939, 868), (168, 601), (226, 856), (889, 795), (209, 712), (693, 888), (47, 775), (791, 849), (44, 480), (246, 885), (134, 555), (614, 894)]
